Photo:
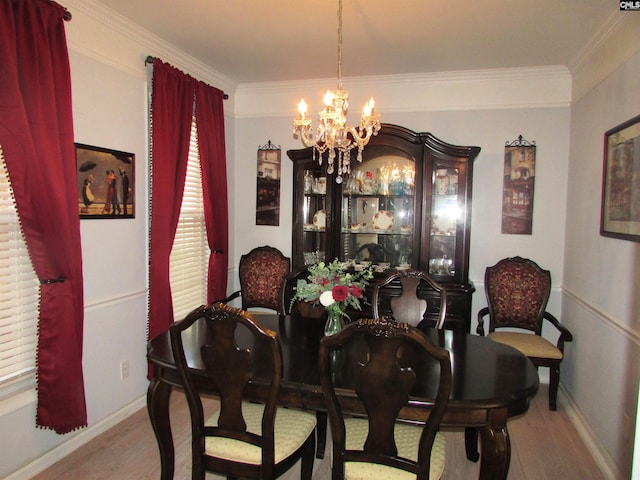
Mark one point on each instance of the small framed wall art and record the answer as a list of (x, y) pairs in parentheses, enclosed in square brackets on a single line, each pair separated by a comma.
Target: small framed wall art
[(105, 182), (518, 186), (268, 185), (620, 207)]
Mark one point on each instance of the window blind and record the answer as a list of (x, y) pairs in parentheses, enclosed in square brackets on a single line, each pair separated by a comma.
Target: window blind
[(190, 252), (19, 298)]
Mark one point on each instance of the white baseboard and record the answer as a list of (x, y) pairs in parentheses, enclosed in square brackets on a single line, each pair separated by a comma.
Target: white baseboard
[(45, 461), (602, 458)]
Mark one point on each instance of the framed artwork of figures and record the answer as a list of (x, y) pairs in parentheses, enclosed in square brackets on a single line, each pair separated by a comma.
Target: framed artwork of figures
[(620, 208), (105, 179)]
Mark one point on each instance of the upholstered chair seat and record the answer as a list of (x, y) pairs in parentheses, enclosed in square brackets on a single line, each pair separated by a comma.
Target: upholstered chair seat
[(529, 344), (407, 439), (291, 429)]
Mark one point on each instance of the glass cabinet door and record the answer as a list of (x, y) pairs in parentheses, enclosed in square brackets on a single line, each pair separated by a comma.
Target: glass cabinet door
[(315, 211), (446, 220), (378, 214)]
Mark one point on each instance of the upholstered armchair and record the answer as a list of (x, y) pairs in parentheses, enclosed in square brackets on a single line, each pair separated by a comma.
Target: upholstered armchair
[(263, 275), (517, 291)]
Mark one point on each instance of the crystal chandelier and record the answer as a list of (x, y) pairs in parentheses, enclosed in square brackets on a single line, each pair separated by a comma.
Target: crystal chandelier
[(333, 134)]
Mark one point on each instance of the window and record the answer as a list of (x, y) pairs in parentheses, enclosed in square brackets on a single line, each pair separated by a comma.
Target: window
[(19, 298), (190, 252)]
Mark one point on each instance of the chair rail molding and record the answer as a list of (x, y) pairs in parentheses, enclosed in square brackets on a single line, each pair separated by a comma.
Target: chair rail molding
[(629, 333)]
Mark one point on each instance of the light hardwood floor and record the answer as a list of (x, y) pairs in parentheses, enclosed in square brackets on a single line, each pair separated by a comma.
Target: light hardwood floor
[(544, 445)]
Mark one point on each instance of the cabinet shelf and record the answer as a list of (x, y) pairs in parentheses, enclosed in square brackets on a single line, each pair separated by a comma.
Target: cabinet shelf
[(376, 232), (376, 195)]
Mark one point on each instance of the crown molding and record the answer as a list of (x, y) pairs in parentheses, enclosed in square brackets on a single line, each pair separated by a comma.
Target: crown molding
[(614, 43), (131, 45), (545, 87)]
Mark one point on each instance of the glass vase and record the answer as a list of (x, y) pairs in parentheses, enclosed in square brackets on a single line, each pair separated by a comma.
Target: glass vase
[(334, 322)]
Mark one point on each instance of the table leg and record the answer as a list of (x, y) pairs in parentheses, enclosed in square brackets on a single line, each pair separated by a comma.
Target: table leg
[(495, 447), (158, 395)]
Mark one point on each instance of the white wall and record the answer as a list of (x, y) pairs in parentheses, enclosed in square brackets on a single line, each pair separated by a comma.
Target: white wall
[(601, 301)]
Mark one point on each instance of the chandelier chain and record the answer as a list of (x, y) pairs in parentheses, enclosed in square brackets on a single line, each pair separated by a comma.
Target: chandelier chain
[(340, 44), (334, 136)]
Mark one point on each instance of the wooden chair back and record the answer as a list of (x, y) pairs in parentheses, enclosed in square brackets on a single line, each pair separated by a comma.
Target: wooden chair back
[(383, 360), (230, 368), (517, 291), (408, 307)]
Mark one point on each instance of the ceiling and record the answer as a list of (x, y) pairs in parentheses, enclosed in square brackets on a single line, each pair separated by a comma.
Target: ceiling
[(274, 40)]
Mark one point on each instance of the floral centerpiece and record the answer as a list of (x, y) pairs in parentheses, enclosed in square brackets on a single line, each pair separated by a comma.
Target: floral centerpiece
[(335, 289)]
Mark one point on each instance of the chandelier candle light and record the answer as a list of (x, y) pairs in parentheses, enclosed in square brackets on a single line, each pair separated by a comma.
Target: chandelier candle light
[(333, 134)]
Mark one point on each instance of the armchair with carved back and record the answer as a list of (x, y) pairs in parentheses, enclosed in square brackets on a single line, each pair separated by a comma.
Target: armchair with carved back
[(517, 291), (263, 274)]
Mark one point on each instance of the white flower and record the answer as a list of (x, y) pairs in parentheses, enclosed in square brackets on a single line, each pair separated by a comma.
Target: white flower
[(326, 298)]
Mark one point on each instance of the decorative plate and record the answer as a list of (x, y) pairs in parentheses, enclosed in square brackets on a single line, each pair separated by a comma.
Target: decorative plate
[(320, 219), (383, 221)]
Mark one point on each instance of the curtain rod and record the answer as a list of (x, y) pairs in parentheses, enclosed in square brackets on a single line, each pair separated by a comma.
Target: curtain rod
[(66, 15), (150, 59)]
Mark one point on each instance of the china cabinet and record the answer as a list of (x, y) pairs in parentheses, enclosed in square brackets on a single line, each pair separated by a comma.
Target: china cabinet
[(407, 205)]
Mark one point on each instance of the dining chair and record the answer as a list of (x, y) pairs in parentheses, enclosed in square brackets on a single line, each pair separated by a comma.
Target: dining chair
[(263, 276), (403, 302), (384, 360), (247, 437), (266, 281), (517, 291)]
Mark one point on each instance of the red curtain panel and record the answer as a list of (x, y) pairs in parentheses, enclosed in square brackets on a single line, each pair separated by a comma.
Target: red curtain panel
[(174, 95), (210, 120), (171, 111), (36, 134)]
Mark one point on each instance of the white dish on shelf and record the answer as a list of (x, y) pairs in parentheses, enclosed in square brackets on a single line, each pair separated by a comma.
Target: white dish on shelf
[(320, 219), (383, 221)]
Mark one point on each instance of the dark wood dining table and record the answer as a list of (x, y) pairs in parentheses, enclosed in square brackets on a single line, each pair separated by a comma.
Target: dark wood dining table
[(491, 383)]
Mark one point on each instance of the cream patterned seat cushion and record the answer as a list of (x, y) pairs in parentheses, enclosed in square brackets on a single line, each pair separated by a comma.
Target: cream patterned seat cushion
[(291, 429), (529, 344), (407, 438)]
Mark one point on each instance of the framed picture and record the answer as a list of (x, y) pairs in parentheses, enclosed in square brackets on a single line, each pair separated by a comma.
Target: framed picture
[(268, 185), (105, 182), (518, 186), (620, 211)]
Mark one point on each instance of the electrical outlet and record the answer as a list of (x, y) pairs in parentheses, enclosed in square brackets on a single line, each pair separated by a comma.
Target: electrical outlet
[(124, 369)]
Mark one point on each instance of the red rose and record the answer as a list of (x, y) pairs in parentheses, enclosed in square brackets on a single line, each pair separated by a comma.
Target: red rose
[(355, 291), (340, 293)]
